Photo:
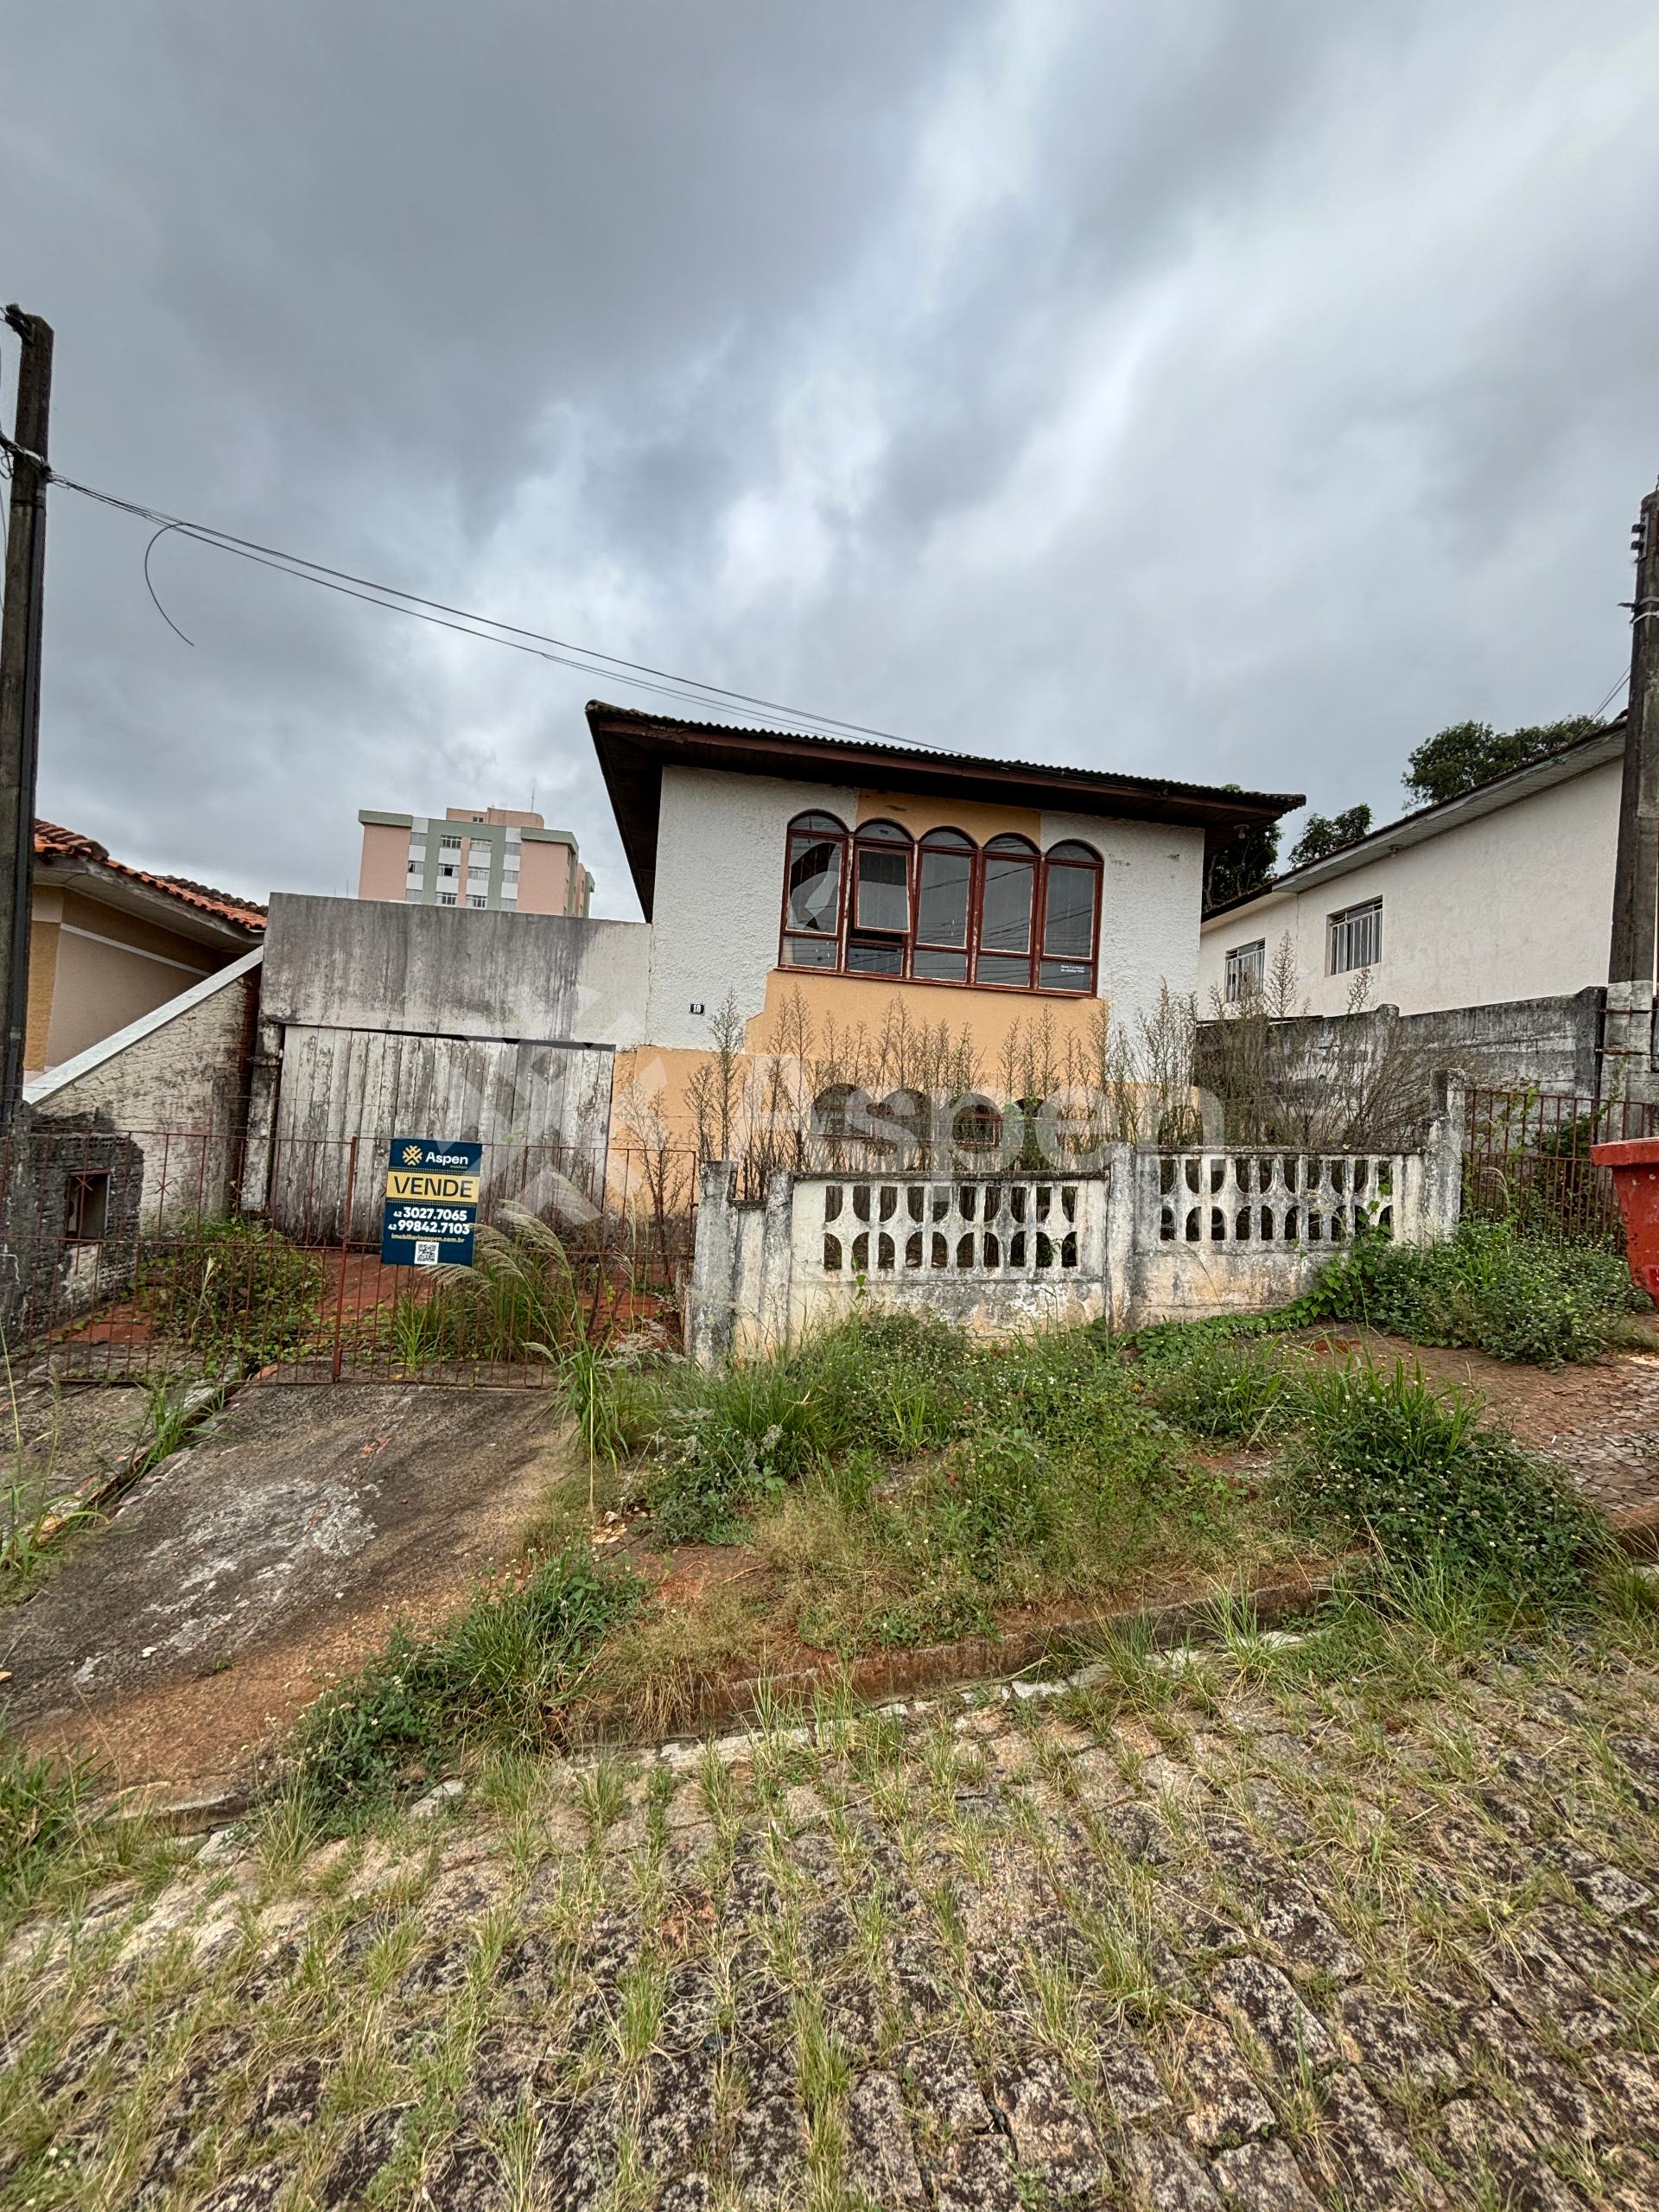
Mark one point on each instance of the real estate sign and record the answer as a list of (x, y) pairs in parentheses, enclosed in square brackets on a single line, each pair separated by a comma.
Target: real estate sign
[(431, 1213)]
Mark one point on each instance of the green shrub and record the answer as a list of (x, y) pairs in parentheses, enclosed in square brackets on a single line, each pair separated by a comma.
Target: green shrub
[(1513, 1296), (1413, 1473), (236, 1289), (494, 1675)]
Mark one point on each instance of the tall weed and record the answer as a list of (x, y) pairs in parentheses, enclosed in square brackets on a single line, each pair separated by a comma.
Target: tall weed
[(496, 1675)]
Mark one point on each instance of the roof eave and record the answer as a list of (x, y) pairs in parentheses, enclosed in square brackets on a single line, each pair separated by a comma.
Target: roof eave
[(633, 749), (1434, 821), (113, 887)]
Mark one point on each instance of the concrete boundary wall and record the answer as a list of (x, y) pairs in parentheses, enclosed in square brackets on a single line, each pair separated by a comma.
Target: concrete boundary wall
[(1552, 1044), (1145, 1236)]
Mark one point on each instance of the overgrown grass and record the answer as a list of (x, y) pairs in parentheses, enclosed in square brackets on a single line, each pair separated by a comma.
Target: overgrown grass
[(899, 1482), (522, 1299), (237, 1291), (43, 1816), (1489, 1287), (1414, 1471), (496, 1676)]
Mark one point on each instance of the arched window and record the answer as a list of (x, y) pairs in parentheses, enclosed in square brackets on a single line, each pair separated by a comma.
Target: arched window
[(944, 889), (812, 879), (878, 929), (1007, 898), (874, 902), (1071, 917)]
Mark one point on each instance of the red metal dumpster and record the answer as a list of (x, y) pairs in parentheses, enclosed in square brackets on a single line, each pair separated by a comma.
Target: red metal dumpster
[(1634, 1166)]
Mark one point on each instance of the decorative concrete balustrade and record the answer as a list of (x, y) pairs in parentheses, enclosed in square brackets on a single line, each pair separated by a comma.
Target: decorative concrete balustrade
[(1147, 1234)]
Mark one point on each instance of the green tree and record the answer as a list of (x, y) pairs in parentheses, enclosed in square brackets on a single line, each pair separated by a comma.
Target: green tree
[(1464, 754), (1323, 834), (1241, 861)]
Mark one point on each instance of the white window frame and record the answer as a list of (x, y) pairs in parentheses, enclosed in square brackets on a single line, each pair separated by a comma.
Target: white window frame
[(1353, 937), (1243, 959), (446, 898)]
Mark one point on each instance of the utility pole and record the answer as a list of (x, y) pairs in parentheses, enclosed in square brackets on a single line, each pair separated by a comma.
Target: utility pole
[(20, 688), (1627, 1040)]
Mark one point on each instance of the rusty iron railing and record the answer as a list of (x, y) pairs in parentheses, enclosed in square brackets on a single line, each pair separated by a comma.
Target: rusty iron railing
[(137, 1253), (1528, 1160)]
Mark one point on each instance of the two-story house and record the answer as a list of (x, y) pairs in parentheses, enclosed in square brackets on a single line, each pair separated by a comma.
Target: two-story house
[(832, 880)]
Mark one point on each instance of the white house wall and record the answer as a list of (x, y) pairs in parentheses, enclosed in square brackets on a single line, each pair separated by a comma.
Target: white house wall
[(720, 882), (1516, 903), (719, 891)]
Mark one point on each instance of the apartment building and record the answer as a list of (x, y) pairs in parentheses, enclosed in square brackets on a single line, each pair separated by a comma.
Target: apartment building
[(490, 857)]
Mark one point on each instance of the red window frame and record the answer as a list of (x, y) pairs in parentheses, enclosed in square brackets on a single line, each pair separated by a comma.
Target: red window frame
[(822, 829), (960, 846), (884, 839), (1068, 853), (1021, 853)]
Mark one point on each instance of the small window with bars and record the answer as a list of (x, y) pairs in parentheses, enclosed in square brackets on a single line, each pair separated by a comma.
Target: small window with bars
[(1354, 937), (1247, 971)]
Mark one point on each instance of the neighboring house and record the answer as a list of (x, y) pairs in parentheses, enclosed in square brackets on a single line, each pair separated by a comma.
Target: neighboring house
[(109, 943), (842, 880), (1503, 893), (487, 857)]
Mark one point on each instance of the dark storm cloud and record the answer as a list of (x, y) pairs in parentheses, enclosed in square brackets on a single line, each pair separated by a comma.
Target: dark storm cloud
[(1232, 392)]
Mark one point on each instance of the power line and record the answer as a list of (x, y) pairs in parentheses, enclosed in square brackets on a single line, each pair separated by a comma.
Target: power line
[(586, 659), (1617, 685)]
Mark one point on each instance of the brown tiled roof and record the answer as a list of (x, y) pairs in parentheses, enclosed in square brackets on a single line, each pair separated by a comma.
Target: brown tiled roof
[(52, 842)]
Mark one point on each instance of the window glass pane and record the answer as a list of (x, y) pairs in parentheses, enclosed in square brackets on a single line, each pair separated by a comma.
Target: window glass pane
[(1072, 850), (808, 952), (1356, 938), (939, 967), (942, 903), (875, 959), (1005, 924), (1065, 975), (1246, 969), (1069, 913), (814, 884), (884, 892), (1000, 968), (884, 833)]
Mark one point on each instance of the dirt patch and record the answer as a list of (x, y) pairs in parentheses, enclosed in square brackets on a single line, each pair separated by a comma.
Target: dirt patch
[(247, 1573), (1600, 1420)]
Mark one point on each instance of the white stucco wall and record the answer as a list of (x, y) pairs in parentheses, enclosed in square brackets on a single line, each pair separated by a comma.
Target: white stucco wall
[(1151, 892), (719, 891), (1516, 903), (720, 882)]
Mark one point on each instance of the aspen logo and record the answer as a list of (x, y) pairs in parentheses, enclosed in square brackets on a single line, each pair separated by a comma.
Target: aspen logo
[(414, 1154)]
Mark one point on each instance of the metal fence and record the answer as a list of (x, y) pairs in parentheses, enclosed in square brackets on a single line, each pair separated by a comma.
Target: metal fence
[(1526, 1160), (139, 1253)]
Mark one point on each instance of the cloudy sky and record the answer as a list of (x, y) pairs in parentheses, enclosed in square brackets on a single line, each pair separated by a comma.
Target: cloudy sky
[(1231, 389)]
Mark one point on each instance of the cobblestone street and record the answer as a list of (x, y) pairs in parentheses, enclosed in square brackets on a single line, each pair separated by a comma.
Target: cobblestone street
[(1200, 1932)]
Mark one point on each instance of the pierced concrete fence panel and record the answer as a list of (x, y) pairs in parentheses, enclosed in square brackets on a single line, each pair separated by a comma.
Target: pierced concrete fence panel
[(1145, 1235)]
